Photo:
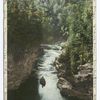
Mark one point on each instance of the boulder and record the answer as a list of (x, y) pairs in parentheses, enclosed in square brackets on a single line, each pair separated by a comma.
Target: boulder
[(63, 84), (42, 81)]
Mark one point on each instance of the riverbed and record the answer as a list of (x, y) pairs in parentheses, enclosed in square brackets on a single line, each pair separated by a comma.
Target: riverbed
[(31, 89)]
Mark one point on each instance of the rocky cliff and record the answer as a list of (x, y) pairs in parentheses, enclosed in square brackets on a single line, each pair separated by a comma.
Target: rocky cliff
[(79, 85), (19, 70)]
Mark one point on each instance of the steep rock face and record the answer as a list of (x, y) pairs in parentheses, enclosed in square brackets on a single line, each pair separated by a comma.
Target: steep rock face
[(19, 71), (79, 85)]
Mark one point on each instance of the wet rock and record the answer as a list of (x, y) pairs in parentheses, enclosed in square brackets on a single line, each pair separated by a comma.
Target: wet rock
[(42, 81), (61, 74), (63, 84), (67, 89), (78, 85)]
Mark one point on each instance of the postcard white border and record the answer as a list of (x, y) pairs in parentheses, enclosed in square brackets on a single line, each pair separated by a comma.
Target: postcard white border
[(1, 49), (97, 45)]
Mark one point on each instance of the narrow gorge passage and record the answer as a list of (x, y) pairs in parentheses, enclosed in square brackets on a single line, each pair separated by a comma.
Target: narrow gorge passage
[(31, 89), (48, 71)]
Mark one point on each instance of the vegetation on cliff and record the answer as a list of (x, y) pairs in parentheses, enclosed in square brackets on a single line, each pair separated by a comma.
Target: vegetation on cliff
[(32, 22), (78, 49)]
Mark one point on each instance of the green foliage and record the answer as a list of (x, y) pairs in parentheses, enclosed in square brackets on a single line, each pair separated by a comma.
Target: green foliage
[(31, 22), (24, 26), (80, 42)]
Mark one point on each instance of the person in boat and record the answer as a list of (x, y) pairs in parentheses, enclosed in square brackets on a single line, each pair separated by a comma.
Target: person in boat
[(42, 81)]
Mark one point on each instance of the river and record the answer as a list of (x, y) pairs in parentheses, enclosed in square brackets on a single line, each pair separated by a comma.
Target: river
[(31, 89), (48, 71)]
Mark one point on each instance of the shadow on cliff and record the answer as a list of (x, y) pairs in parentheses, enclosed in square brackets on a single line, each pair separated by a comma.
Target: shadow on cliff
[(28, 90)]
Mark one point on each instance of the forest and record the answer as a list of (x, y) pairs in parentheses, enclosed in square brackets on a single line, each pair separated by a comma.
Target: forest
[(66, 23)]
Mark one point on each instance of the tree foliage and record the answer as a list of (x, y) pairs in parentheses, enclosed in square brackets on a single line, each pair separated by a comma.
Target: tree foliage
[(31, 22), (79, 34), (24, 26)]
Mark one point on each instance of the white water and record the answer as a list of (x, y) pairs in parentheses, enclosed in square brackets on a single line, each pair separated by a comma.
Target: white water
[(48, 71)]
